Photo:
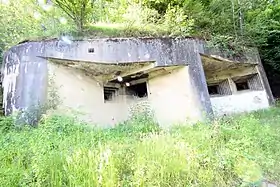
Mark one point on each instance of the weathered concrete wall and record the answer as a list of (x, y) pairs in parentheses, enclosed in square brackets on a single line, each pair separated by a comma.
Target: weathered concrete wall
[(265, 82), (173, 98), (163, 51), (170, 96), (248, 55), (24, 80), (83, 96), (240, 102)]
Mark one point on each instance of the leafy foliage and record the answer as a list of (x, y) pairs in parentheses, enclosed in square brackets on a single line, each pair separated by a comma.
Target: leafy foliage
[(24, 19), (79, 11)]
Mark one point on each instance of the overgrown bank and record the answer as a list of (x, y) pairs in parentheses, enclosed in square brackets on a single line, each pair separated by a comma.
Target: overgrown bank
[(234, 23), (64, 152)]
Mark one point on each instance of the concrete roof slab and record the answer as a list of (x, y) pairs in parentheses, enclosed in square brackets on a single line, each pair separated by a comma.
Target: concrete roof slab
[(214, 64), (105, 71)]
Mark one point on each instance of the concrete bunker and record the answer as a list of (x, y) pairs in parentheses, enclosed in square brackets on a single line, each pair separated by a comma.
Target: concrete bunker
[(178, 80)]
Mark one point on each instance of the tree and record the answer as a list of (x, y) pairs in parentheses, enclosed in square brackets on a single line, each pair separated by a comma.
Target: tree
[(80, 11), (263, 28), (15, 21), (25, 19)]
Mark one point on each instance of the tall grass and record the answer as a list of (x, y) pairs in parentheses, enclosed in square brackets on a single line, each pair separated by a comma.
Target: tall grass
[(62, 151)]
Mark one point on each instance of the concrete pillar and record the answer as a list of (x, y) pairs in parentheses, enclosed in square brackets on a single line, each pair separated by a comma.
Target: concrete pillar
[(264, 80), (199, 83), (265, 83), (232, 85)]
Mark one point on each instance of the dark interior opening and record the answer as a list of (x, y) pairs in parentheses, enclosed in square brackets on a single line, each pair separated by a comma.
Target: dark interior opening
[(213, 89), (91, 50), (242, 85), (139, 90), (109, 93)]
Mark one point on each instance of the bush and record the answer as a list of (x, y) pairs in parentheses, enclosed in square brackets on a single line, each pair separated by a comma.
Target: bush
[(62, 151), (6, 124), (176, 22)]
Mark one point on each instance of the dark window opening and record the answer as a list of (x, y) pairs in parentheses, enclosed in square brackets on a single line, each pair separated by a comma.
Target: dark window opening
[(221, 88), (213, 89), (242, 86), (139, 90), (109, 93), (91, 50)]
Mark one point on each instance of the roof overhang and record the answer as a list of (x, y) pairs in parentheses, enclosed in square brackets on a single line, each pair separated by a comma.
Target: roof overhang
[(109, 72), (104, 71), (217, 68), (213, 64)]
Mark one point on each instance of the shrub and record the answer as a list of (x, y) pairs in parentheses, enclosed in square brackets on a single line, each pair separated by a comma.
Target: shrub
[(6, 124), (176, 22)]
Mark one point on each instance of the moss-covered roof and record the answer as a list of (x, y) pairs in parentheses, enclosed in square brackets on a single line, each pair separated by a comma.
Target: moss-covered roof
[(109, 31)]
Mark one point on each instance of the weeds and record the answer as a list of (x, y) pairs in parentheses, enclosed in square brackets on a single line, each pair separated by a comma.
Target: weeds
[(62, 151)]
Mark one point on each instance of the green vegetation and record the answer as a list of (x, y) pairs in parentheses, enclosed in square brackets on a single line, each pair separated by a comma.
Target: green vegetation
[(244, 20), (64, 152)]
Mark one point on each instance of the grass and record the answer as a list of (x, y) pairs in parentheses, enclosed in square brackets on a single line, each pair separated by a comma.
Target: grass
[(105, 30), (237, 151), (124, 30)]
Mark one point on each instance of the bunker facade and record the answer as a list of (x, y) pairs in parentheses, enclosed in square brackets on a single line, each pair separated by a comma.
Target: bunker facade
[(179, 80)]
